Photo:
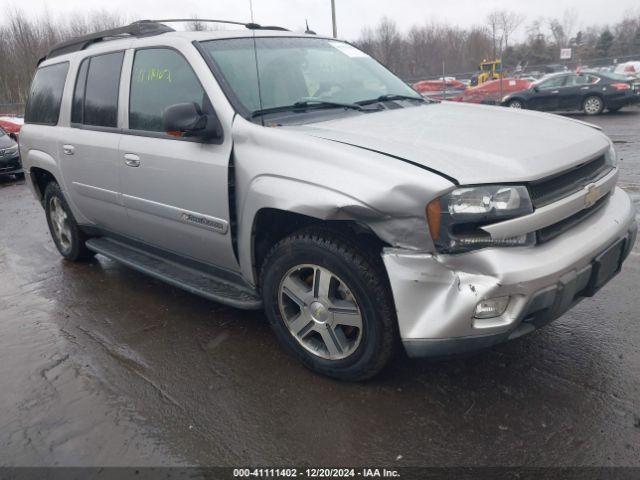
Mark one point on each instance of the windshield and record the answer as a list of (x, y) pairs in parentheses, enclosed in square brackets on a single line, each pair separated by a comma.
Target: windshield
[(292, 70)]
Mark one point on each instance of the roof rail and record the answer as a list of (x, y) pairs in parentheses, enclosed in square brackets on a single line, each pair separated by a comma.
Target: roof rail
[(142, 28), (250, 26)]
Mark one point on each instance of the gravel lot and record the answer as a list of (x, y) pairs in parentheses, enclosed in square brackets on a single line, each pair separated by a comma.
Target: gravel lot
[(100, 365)]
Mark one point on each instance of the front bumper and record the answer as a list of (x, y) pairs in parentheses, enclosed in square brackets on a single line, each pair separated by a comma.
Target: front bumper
[(10, 166), (436, 295)]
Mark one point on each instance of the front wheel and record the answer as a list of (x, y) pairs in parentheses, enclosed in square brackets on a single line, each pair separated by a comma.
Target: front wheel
[(330, 304), (69, 239), (517, 104), (593, 105)]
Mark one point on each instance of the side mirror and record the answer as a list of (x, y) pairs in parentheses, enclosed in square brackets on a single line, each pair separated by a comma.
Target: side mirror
[(13, 137), (187, 119), (535, 88)]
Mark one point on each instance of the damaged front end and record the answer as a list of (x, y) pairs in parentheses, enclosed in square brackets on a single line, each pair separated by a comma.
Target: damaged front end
[(449, 304)]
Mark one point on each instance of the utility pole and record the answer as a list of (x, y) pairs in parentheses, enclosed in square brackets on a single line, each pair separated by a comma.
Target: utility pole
[(333, 18)]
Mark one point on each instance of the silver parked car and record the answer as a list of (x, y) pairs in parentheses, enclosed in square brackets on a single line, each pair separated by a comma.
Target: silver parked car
[(266, 169)]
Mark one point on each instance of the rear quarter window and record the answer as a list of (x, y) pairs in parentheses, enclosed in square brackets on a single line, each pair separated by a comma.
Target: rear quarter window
[(45, 96)]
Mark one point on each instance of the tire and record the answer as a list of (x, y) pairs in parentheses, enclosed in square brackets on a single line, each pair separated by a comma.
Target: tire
[(516, 104), (357, 284), (593, 105), (67, 236)]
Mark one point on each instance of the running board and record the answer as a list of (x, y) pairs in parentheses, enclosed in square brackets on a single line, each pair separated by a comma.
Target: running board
[(189, 279)]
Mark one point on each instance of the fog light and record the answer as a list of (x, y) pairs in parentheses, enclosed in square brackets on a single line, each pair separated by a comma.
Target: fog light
[(492, 307)]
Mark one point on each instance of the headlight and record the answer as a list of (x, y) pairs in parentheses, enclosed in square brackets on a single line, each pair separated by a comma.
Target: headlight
[(12, 150), (612, 156), (455, 219), (505, 98)]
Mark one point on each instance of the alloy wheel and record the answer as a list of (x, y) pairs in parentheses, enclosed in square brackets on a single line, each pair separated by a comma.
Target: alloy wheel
[(320, 312), (593, 105), (60, 223)]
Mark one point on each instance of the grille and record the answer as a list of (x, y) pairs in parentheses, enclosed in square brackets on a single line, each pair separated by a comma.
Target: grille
[(552, 231), (10, 165), (548, 190)]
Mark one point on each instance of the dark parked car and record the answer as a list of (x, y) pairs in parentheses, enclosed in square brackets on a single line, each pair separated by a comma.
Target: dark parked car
[(588, 92), (9, 155)]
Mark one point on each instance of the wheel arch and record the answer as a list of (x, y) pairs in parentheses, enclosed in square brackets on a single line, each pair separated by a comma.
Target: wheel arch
[(519, 99), (40, 178), (593, 94), (276, 207)]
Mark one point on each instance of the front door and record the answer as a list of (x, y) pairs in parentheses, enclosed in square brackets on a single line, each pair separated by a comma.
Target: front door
[(174, 189)]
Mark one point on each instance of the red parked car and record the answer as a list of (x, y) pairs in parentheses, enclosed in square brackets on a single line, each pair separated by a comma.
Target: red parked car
[(438, 89), (11, 124), (491, 93)]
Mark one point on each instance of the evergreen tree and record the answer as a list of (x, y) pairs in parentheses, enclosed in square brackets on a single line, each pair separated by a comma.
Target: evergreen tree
[(605, 42)]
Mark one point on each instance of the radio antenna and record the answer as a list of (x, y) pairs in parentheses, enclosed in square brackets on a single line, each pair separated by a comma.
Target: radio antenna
[(251, 10)]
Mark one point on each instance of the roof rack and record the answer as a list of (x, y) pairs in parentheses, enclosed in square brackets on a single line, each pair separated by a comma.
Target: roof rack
[(250, 26), (141, 28)]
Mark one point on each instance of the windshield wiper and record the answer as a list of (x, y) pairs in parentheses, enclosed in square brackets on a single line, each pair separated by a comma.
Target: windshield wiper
[(389, 97), (306, 103)]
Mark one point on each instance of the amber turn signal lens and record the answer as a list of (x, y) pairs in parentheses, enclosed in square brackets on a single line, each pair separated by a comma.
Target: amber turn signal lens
[(433, 218)]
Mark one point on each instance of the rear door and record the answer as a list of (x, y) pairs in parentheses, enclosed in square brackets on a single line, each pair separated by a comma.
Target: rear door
[(575, 90), (88, 148), (174, 189)]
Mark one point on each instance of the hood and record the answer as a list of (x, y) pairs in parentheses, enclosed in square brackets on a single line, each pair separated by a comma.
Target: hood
[(469, 143)]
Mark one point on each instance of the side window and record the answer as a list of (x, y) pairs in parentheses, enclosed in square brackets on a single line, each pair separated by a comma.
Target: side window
[(160, 78), (95, 99), (579, 80), (553, 82), (45, 95)]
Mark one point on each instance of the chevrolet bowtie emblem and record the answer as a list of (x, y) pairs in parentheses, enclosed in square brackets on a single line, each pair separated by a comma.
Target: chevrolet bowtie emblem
[(592, 196)]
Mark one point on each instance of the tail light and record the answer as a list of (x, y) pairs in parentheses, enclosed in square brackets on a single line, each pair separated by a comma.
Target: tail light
[(621, 86)]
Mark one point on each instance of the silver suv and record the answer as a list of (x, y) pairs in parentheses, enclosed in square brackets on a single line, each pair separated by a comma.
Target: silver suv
[(265, 169)]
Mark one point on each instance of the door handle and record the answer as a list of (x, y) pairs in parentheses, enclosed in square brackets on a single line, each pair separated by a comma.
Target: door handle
[(68, 149), (131, 160), (556, 91)]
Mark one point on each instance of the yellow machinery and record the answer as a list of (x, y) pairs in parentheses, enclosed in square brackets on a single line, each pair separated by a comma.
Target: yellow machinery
[(489, 70)]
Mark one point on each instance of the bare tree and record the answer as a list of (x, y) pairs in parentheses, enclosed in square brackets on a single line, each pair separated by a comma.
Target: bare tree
[(509, 23), (494, 22), (196, 25)]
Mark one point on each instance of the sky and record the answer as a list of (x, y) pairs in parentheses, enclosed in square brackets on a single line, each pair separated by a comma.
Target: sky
[(352, 15)]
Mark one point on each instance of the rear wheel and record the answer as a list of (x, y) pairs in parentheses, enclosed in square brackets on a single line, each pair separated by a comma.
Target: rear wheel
[(69, 239), (330, 304), (593, 105), (517, 104)]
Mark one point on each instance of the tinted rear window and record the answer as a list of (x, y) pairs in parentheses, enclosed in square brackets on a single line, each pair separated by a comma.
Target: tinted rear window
[(102, 87), (45, 96)]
